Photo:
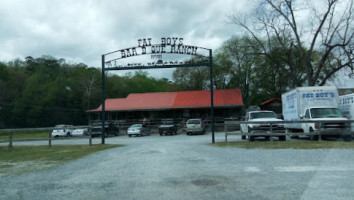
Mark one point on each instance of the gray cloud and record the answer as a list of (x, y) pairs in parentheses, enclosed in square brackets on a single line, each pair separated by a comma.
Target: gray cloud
[(81, 31)]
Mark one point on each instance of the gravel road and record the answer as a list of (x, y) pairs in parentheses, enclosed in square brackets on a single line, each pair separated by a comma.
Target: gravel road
[(186, 167)]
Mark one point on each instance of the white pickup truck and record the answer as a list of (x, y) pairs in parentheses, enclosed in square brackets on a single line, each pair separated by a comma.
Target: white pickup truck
[(258, 130), (62, 130)]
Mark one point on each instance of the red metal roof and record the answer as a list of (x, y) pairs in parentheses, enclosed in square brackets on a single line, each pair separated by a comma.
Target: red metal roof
[(174, 100), (270, 100)]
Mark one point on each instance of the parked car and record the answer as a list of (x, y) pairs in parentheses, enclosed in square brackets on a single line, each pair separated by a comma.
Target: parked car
[(138, 130), (110, 129), (168, 127), (260, 130), (195, 126), (80, 132), (62, 130)]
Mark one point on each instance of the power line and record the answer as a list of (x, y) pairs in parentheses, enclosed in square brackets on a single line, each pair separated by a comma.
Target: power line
[(43, 108)]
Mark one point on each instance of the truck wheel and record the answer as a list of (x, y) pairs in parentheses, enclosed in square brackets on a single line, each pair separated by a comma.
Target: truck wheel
[(130, 135), (243, 137), (347, 138), (282, 138), (250, 138), (313, 137)]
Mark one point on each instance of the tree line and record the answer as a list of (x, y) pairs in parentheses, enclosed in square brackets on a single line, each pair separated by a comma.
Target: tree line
[(273, 55), (44, 91)]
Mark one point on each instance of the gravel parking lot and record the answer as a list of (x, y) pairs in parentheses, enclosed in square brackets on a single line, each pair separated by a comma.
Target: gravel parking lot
[(186, 167)]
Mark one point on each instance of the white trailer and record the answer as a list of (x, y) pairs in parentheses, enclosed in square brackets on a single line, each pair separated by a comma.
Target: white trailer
[(318, 103), (346, 105)]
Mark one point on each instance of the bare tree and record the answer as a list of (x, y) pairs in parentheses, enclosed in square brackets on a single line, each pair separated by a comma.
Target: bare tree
[(320, 34), (90, 84)]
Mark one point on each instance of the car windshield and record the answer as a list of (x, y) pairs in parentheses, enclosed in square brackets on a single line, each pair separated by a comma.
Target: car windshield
[(136, 126), (193, 121), (59, 127), (258, 115), (326, 113), (167, 123), (100, 124)]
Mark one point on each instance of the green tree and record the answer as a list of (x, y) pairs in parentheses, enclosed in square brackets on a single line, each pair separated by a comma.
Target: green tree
[(46, 97), (242, 66), (323, 46), (86, 86), (237, 58), (44, 91), (140, 82)]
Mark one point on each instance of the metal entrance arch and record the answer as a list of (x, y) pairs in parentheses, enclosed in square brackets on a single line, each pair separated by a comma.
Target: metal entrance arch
[(200, 57)]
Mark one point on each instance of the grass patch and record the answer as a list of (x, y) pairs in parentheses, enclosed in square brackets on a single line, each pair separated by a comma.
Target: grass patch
[(299, 144), (44, 153), (26, 135), (22, 159)]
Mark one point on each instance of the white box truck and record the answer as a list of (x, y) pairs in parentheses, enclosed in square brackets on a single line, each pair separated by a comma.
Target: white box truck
[(318, 103), (346, 105)]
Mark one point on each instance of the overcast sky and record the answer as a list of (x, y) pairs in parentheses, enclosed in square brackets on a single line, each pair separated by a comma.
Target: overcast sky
[(83, 30), (80, 31)]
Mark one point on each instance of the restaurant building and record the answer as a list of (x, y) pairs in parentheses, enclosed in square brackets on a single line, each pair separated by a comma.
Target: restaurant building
[(172, 105)]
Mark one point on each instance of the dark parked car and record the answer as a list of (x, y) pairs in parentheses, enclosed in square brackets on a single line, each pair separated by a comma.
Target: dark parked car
[(110, 129), (168, 127)]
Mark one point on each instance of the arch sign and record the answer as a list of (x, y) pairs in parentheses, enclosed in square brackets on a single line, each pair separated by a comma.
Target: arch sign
[(170, 45), (170, 52)]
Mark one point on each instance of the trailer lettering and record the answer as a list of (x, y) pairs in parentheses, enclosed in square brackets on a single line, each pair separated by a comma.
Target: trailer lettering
[(291, 97), (307, 95), (348, 100)]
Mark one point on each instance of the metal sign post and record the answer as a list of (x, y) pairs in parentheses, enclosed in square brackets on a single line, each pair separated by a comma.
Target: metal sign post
[(103, 99), (212, 96), (172, 46)]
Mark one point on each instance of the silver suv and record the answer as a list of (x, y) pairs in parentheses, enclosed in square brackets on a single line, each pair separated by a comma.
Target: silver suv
[(195, 126)]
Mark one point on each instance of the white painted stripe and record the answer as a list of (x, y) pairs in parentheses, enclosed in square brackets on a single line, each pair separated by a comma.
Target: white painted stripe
[(252, 169), (311, 168)]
